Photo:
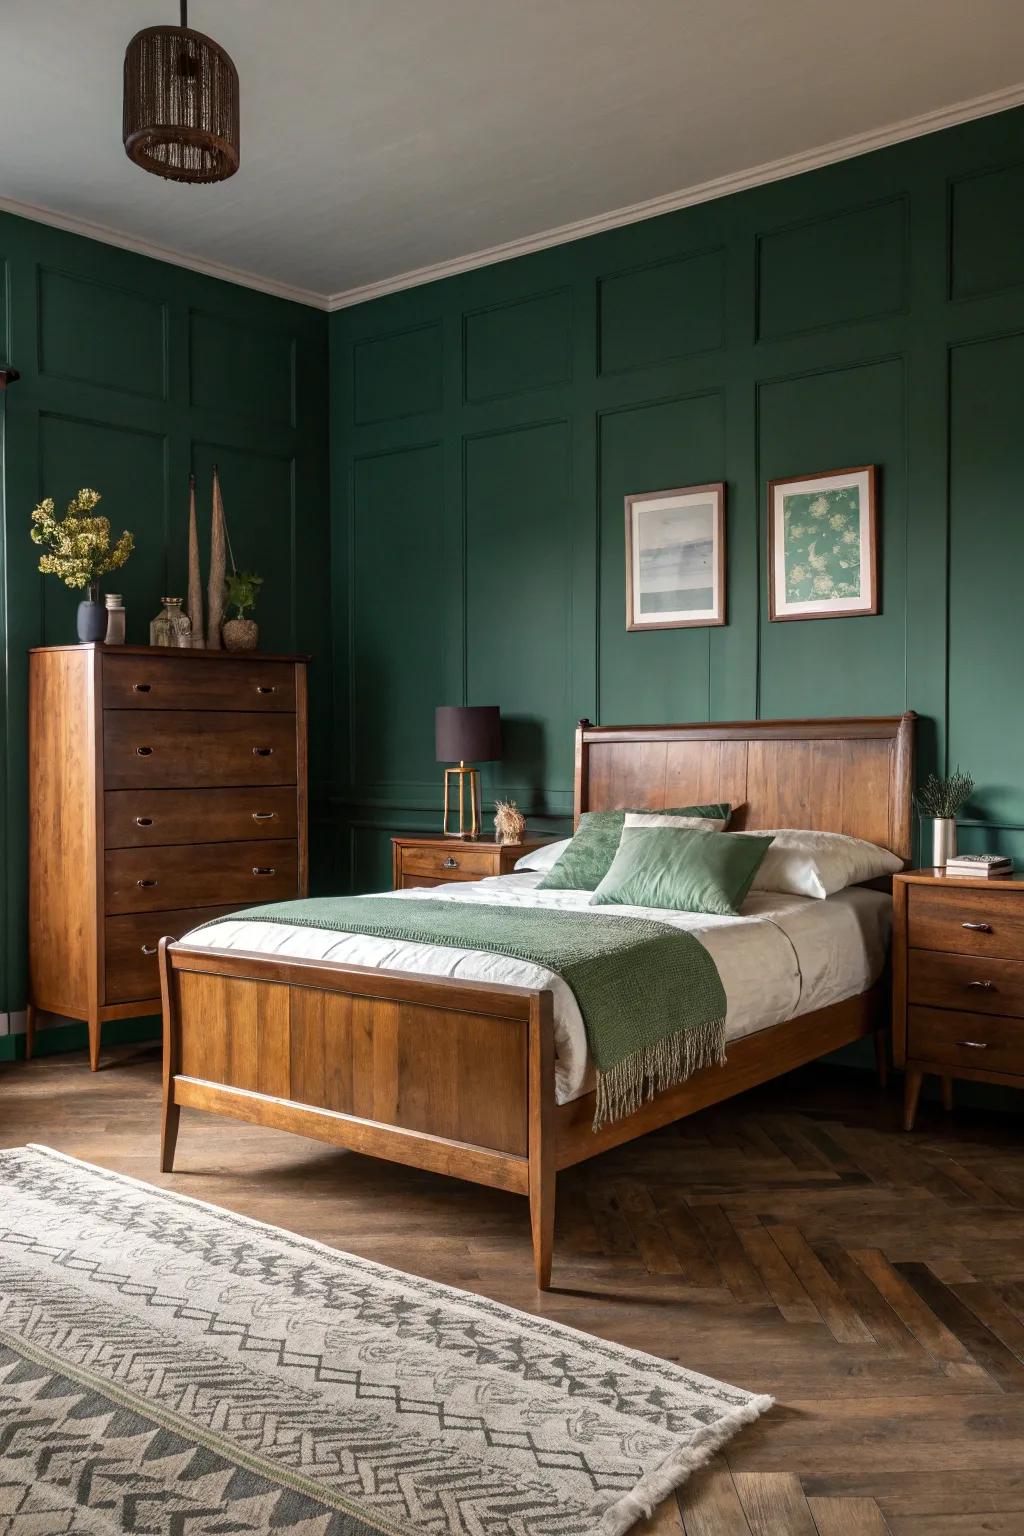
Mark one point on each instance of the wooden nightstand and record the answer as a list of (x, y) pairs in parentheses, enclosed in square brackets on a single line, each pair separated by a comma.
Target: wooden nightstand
[(435, 860), (958, 981)]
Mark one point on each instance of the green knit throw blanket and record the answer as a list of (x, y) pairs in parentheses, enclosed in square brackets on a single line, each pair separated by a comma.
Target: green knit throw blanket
[(650, 995)]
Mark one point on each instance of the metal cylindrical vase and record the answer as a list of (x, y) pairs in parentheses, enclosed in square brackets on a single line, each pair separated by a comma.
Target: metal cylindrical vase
[(943, 840)]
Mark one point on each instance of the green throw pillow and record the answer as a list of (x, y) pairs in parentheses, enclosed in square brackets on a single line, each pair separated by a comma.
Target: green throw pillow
[(589, 856), (682, 871)]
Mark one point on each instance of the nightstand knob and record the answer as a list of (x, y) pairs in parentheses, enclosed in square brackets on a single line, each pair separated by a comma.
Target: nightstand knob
[(450, 863), (974, 1045), (978, 927), (983, 986)]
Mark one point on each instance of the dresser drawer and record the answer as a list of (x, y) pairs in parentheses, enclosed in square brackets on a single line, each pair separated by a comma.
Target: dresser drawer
[(449, 862), (982, 984), (130, 948), (977, 1041), (197, 682), (151, 818), (982, 922), (150, 749), (157, 879)]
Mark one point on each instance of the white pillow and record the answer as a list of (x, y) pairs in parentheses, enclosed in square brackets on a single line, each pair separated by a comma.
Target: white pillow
[(663, 819), (543, 857), (805, 863)]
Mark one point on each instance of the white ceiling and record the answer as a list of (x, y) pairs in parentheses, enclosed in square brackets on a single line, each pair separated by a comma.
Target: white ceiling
[(381, 137)]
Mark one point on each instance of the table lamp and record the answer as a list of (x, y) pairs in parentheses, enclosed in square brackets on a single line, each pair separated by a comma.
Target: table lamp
[(466, 733)]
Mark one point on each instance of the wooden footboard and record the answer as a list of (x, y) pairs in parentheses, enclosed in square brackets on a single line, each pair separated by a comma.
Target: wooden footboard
[(453, 1076), (456, 1077)]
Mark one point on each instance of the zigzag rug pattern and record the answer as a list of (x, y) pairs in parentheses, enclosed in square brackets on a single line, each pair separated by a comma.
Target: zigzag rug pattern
[(168, 1366)]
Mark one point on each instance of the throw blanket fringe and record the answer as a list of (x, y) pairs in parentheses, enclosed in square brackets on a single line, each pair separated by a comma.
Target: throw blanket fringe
[(623, 1088), (650, 995)]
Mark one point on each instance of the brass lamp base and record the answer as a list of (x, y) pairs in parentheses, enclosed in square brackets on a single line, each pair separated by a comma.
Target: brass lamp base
[(462, 773)]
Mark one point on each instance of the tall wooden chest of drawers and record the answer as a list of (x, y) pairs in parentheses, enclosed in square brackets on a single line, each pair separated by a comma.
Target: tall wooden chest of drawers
[(165, 788)]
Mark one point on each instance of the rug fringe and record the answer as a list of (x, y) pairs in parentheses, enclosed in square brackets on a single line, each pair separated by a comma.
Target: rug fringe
[(640, 1502), (638, 1077)]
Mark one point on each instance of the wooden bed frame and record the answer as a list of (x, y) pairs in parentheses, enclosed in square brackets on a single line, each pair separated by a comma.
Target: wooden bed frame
[(458, 1076)]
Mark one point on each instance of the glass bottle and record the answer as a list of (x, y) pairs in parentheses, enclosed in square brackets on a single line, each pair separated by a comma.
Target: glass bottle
[(171, 626), (115, 619)]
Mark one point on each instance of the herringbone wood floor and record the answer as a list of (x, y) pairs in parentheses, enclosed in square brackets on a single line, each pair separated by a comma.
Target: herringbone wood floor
[(793, 1241)]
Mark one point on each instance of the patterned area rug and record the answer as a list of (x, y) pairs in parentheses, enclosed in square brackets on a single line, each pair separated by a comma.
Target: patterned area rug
[(169, 1367)]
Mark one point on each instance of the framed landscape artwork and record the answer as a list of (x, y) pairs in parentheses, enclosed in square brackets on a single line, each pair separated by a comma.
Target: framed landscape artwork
[(823, 545), (675, 558)]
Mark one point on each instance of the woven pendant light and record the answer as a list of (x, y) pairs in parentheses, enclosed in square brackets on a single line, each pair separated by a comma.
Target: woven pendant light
[(180, 104)]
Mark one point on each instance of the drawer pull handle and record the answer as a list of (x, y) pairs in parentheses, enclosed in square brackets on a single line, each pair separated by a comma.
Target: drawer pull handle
[(141, 687), (978, 927), (450, 863), (266, 688), (145, 885), (148, 949), (144, 751), (974, 1045), (143, 821), (263, 815), (983, 986), (262, 751), (264, 869)]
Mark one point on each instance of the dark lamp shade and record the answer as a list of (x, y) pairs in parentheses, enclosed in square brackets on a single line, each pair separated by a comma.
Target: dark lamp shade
[(180, 105), (467, 733)]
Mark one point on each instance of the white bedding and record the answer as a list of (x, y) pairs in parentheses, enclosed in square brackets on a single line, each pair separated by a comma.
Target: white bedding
[(784, 955)]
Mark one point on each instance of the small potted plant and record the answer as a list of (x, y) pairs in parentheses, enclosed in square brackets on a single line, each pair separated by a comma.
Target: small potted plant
[(240, 633), (80, 553), (942, 800)]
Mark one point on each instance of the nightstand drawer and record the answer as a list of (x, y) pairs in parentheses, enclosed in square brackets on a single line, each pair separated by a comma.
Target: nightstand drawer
[(973, 1040), (450, 862), (966, 981), (968, 922)]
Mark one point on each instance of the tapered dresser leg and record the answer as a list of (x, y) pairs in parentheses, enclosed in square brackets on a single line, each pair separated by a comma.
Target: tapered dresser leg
[(947, 1094), (30, 1029), (911, 1094), (168, 1133), (94, 1043), (882, 1057)]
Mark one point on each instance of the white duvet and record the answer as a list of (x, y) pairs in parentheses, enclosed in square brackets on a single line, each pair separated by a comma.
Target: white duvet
[(784, 955)]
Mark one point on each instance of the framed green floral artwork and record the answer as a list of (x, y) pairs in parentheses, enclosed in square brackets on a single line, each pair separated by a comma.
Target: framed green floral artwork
[(823, 545)]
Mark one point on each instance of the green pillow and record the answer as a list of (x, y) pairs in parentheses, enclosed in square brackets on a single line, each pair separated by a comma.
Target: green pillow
[(682, 871), (589, 856)]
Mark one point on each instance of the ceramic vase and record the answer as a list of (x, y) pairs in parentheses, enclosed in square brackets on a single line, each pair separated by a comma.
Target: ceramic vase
[(92, 616), (943, 840)]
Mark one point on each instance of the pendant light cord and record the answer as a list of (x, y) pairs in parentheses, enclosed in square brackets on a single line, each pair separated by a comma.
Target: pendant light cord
[(184, 13)]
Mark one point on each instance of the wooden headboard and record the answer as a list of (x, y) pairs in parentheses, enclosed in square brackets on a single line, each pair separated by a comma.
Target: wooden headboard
[(854, 776)]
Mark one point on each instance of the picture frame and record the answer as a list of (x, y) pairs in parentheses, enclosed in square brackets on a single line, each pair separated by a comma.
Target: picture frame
[(823, 545), (675, 558)]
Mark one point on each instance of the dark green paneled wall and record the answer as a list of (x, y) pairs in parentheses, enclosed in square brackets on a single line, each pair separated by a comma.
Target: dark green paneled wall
[(133, 372), (485, 429)]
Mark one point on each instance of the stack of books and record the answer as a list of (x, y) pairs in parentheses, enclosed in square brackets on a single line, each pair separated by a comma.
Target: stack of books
[(979, 866)]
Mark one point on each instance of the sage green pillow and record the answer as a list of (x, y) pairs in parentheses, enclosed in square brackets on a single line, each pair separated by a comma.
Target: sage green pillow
[(589, 856), (682, 871)]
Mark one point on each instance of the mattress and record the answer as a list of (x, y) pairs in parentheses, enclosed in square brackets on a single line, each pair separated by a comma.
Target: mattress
[(782, 956)]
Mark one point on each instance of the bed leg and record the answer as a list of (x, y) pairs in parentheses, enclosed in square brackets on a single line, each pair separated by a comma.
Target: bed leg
[(882, 1057), (171, 1112), (541, 1137)]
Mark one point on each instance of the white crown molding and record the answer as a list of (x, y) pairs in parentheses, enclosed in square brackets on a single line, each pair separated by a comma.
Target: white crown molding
[(564, 234), (141, 247), (705, 192)]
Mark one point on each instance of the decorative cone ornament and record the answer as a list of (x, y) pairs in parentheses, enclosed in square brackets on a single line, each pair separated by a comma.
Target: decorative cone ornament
[(218, 568), (180, 104), (194, 602)]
